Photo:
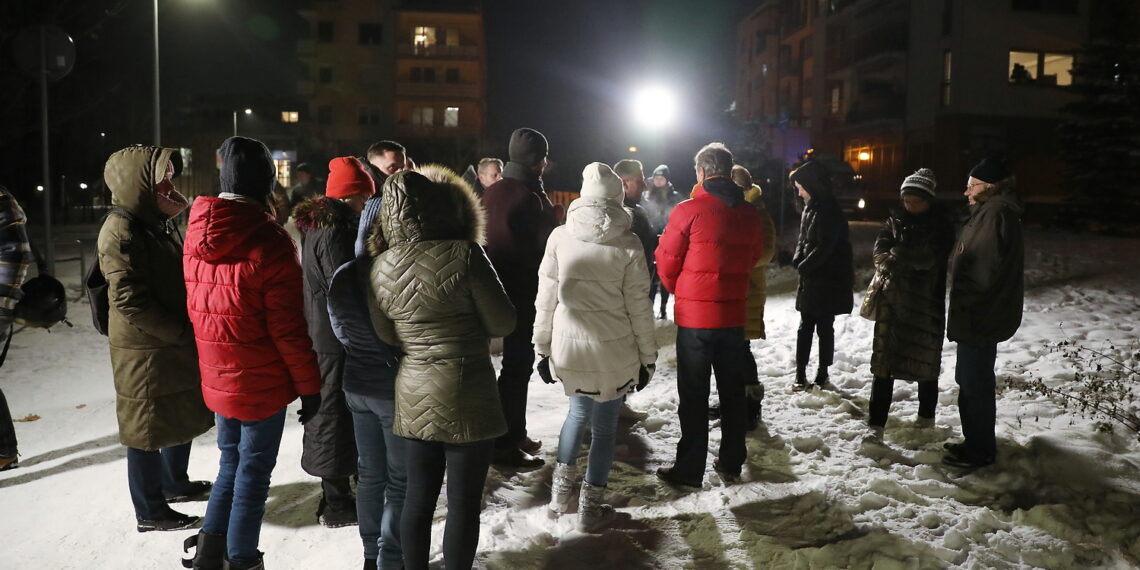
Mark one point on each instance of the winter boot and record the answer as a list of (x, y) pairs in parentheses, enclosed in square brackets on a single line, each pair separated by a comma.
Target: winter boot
[(755, 396), (801, 380), (259, 565), (821, 377), (562, 489), (210, 551), (593, 514)]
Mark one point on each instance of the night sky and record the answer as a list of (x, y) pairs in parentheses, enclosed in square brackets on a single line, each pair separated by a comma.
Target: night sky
[(565, 68)]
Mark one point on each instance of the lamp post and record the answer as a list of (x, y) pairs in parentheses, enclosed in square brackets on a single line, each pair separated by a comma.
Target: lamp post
[(247, 112), (157, 106)]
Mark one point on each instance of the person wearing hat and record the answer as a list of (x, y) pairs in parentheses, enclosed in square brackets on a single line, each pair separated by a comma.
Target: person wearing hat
[(596, 335), (659, 200), (910, 257), (244, 296), (15, 256), (520, 217), (987, 290), (705, 257), (307, 185), (328, 226), (153, 357)]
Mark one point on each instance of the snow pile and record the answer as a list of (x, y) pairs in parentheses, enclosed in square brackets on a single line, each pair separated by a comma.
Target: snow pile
[(816, 493)]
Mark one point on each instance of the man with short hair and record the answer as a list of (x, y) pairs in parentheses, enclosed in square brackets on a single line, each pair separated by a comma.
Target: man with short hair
[(633, 184), (307, 185), (389, 157), (660, 199), (987, 289), (519, 219), (490, 171), (705, 257)]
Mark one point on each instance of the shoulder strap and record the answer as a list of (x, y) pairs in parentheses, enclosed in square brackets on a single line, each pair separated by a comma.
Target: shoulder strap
[(7, 342)]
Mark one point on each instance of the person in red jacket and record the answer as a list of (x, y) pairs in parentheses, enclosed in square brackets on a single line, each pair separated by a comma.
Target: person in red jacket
[(243, 289), (705, 257)]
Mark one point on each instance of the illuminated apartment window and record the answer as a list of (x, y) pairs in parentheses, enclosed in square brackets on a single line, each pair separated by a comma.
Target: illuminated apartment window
[(290, 116), (284, 170), (451, 117), (1040, 68), (946, 61), (423, 116), (423, 37), (836, 99), (452, 37)]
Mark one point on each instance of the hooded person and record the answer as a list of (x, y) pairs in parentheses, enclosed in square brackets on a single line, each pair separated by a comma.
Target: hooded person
[(520, 217), (659, 200), (987, 291), (826, 269), (244, 296), (438, 299), (910, 257), (15, 256), (328, 224), (594, 331), (157, 386)]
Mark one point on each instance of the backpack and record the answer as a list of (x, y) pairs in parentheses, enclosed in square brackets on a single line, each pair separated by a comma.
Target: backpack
[(95, 283)]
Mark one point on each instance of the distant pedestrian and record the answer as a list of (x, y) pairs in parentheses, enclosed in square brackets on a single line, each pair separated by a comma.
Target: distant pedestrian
[(15, 256), (244, 294), (910, 266), (987, 290), (594, 332), (388, 158), (659, 200), (307, 186), (826, 269), (157, 385)]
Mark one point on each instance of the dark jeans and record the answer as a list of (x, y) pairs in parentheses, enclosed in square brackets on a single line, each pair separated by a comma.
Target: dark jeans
[(514, 381), (7, 429), (383, 478), (974, 373), (466, 466), (882, 392), (701, 352), (237, 501), (336, 493), (655, 287), (152, 475), (812, 324)]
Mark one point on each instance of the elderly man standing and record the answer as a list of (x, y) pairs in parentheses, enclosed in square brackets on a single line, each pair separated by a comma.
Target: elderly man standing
[(519, 219), (987, 289), (705, 257)]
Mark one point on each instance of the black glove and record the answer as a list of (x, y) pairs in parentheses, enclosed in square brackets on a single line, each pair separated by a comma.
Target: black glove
[(544, 370), (644, 375), (309, 406)]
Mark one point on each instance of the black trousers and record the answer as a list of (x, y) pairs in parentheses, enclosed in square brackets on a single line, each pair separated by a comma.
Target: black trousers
[(882, 392), (700, 353), (811, 324), (7, 429), (655, 287), (466, 467), (514, 382)]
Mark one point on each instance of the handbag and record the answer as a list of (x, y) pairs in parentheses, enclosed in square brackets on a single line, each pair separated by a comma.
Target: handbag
[(873, 300)]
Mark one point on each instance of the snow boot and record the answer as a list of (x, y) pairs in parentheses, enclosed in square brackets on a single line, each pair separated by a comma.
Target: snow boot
[(210, 551), (801, 380), (593, 514), (821, 377), (562, 489), (259, 565)]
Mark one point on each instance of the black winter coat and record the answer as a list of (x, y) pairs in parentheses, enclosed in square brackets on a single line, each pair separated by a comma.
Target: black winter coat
[(329, 229), (987, 268), (910, 257), (823, 260)]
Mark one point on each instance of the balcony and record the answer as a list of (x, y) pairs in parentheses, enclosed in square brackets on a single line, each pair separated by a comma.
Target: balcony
[(438, 51), (420, 90)]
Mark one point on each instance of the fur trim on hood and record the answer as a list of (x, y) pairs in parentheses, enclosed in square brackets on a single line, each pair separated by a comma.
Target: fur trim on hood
[(429, 203), (322, 212)]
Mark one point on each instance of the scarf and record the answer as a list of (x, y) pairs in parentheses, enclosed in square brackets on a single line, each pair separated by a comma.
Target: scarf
[(171, 203)]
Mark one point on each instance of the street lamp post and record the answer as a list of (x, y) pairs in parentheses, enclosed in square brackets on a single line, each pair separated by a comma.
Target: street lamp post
[(157, 106), (247, 112)]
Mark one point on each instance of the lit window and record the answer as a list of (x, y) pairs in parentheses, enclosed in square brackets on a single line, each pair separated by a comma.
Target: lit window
[(1057, 69), (284, 170), (947, 59), (836, 93), (451, 117), (1039, 68), (423, 116), (423, 37), (1022, 66), (290, 116)]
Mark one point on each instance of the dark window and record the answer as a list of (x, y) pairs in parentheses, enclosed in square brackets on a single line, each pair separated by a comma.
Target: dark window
[(369, 116), (417, 74), (325, 75), (947, 17), (761, 43), (325, 114), (452, 75), (429, 75), (370, 34), (1051, 6), (325, 32)]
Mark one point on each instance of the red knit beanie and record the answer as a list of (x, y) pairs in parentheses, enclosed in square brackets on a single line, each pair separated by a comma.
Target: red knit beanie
[(347, 177)]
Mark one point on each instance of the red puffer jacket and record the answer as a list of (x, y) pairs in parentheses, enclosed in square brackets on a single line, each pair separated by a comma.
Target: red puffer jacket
[(243, 292), (706, 254)]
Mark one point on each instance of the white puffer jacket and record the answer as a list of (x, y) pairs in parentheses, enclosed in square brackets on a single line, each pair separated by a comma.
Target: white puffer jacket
[(594, 318)]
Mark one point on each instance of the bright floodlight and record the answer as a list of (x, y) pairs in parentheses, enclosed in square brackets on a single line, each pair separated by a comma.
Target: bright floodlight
[(82, 185), (249, 111), (654, 107)]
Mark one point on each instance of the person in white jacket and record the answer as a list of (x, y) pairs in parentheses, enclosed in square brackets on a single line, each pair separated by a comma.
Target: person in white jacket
[(594, 332)]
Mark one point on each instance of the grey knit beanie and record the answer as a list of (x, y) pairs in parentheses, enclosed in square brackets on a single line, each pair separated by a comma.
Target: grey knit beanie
[(922, 183)]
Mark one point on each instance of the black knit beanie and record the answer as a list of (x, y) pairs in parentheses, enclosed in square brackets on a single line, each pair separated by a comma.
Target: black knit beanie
[(815, 178), (661, 170), (527, 147), (991, 170), (247, 167)]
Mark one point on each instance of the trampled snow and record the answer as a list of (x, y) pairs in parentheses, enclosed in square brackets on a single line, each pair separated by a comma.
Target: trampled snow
[(816, 492)]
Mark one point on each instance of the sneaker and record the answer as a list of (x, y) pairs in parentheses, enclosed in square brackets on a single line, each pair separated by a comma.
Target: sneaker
[(666, 474), (530, 446), (516, 459), (629, 414), (923, 423), (726, 475), (174, 520), (194, 491), (8, 462)]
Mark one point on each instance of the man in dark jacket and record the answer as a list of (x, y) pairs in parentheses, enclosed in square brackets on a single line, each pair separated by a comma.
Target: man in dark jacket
[(15, 254), (986, 293), (633, 184), (307, 185), (519, 219), (659, 201), (705, 257)]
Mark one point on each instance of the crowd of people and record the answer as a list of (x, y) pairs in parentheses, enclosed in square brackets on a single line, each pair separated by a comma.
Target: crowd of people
[(380, 324)]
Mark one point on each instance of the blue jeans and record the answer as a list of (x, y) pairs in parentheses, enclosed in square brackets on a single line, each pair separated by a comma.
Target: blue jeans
[(237, 501), (151, 475), (602, 418), (974, 373), (383, 478)]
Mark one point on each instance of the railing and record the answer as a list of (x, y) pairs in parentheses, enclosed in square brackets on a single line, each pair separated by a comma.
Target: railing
[(420, 89), (438, 50)]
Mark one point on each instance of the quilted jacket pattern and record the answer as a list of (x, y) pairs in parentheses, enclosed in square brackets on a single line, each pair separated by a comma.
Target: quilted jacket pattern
[(440, 300)]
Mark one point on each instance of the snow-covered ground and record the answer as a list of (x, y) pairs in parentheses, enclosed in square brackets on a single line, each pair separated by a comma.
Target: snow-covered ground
[(815, 493)]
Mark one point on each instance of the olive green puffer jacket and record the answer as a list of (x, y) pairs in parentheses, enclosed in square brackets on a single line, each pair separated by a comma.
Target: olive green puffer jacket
[(441, 301)]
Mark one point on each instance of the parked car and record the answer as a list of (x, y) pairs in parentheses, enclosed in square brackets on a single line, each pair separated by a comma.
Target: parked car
[(846, 183)]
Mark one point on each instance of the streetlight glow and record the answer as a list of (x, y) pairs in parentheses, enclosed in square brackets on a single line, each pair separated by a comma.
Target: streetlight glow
[(864, 155), (82, 185), (654, 107), (249, 111), (632, 149), (39, 188)]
